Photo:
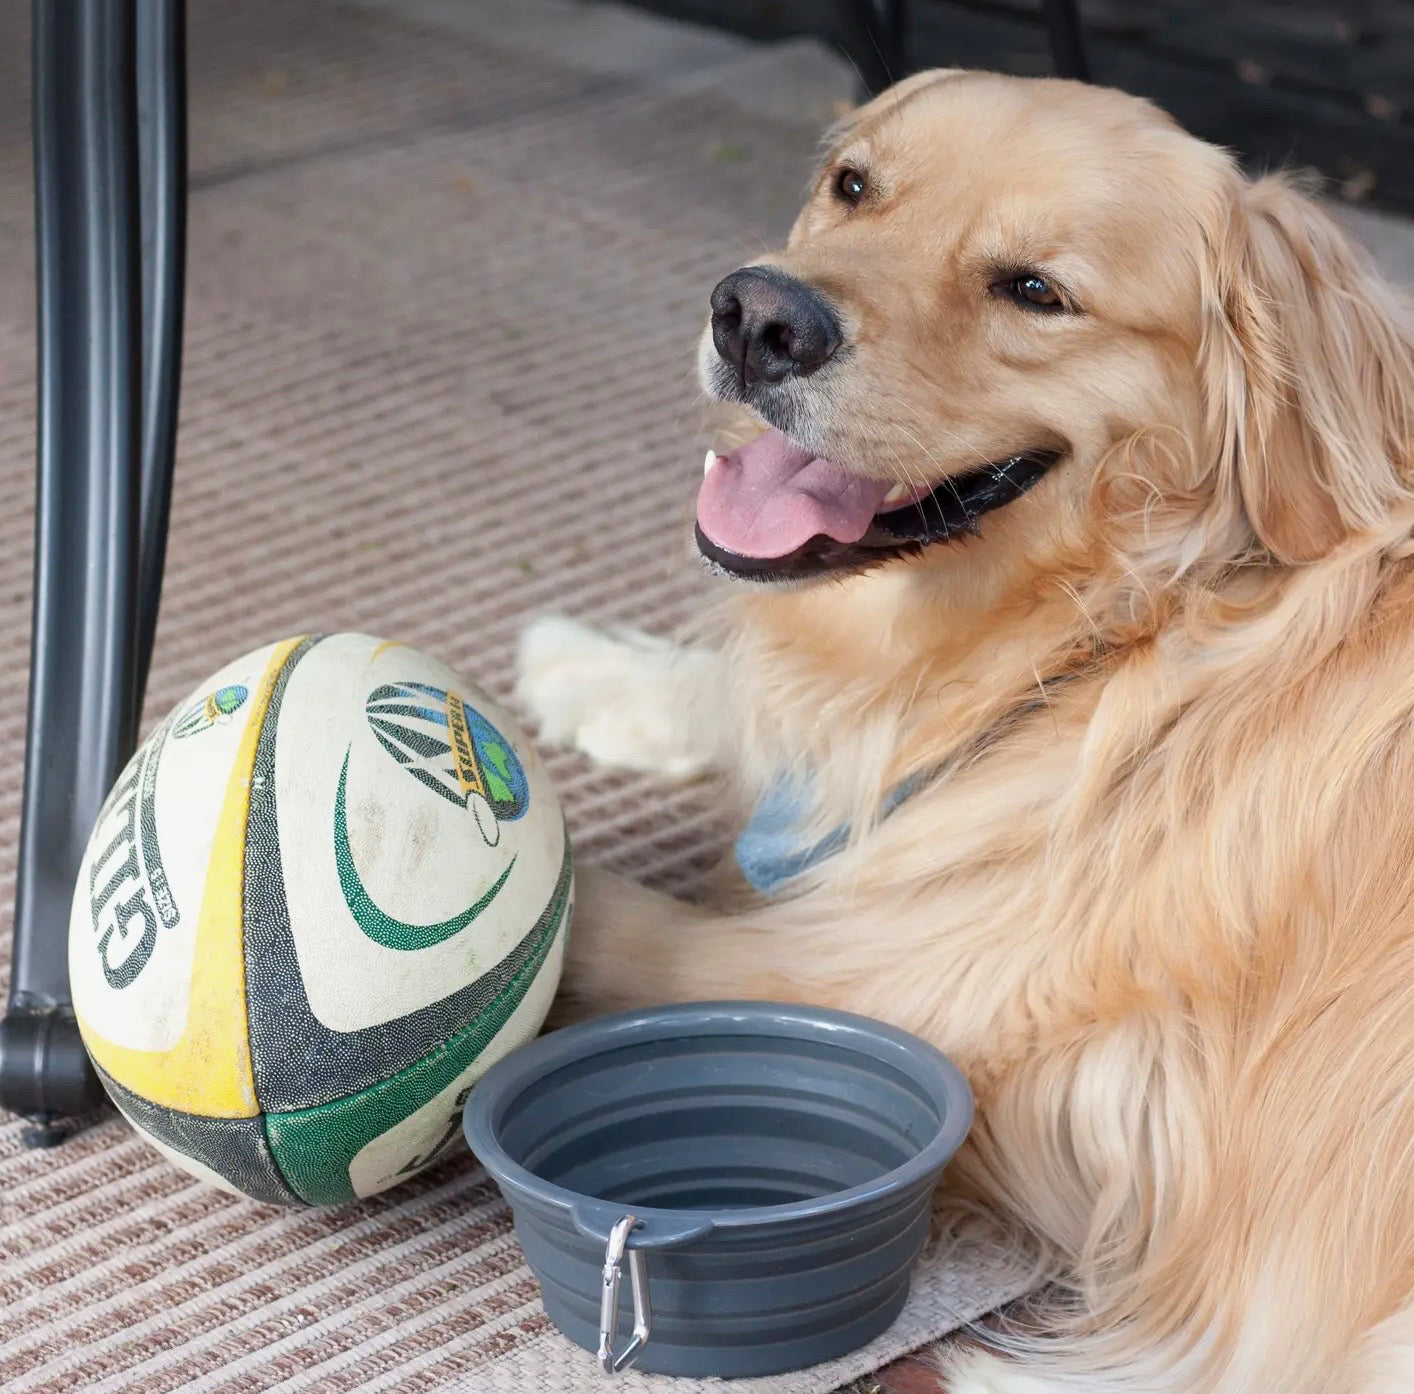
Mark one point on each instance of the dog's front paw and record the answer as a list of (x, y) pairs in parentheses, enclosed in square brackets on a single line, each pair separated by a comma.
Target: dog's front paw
[(624, 698)]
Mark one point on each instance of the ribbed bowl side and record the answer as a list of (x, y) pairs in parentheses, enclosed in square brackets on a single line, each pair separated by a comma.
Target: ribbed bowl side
[(734, 1305), (754, 1130), (701, 1123)]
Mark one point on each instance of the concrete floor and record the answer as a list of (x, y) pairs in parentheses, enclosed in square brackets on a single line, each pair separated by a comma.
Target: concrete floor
[(799, 81)]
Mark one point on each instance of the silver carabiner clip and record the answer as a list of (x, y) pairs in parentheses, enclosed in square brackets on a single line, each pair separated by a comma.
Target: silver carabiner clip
[(610, 1363)]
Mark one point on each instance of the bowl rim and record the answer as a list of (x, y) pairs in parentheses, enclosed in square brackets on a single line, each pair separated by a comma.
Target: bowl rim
[(927, 1066)]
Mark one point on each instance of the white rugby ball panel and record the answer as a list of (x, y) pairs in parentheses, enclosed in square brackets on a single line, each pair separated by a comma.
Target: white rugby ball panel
[(388, 878), (144, 873)]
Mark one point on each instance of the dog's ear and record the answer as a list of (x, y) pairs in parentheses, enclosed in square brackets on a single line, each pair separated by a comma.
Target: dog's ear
[(1307, 374)]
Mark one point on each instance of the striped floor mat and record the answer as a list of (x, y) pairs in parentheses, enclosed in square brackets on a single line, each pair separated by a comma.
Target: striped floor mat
[(443, 300)]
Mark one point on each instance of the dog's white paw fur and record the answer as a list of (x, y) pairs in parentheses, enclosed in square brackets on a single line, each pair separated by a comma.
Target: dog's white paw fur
[(977, 1372), (624, 698)]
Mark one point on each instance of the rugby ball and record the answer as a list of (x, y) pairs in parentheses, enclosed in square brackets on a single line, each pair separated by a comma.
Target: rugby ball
[(329, 891)]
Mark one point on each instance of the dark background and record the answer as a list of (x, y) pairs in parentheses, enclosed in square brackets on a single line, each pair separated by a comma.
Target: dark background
[(1283, 82)]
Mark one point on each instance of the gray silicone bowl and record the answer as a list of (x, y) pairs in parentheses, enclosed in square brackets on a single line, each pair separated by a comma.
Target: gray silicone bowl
[(768, 1170)]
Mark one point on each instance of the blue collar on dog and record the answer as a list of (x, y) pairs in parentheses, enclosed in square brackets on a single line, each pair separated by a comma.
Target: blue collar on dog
[(771, 848)]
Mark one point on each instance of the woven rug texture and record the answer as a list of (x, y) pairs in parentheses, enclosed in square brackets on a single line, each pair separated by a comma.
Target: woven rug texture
[(443, 296)]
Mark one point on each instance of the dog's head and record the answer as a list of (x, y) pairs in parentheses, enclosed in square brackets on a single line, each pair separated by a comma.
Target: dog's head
[(1041, 314)]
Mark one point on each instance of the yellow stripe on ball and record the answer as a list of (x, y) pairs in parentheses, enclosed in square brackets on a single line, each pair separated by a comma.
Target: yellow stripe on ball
[(208, 1070)]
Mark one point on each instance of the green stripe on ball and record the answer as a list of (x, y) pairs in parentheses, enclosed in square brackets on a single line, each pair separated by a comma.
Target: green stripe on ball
[(315, 1147)]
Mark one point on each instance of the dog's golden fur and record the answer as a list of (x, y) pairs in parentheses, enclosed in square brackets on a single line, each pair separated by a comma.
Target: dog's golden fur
[(1164, 918)]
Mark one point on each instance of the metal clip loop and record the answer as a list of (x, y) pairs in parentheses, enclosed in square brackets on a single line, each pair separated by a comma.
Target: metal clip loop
[(610, 1363)]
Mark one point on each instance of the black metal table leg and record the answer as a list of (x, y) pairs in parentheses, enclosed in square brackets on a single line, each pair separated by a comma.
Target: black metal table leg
[(1067, 47), (872, 35), (104, 467), (162, 140)]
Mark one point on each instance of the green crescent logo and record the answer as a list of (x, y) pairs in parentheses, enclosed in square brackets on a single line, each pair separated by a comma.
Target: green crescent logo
[(371, 918)]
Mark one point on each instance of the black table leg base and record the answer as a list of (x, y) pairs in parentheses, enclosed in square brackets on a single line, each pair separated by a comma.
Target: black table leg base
[(42, 1057)]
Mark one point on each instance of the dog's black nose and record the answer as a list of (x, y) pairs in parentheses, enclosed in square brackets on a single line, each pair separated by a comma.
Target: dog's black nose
[(766, 324)]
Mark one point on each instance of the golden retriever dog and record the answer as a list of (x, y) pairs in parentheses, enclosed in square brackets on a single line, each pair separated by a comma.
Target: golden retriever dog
[(1071, 655)]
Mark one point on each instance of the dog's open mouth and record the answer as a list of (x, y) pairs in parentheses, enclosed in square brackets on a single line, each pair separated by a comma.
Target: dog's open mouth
[(775, 511)]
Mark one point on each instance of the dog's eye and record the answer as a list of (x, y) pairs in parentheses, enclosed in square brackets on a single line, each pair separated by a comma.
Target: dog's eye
[(850, 185), (1031, 291)]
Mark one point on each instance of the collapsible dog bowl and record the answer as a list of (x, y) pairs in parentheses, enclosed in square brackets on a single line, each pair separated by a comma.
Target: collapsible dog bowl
[(764, 1172)]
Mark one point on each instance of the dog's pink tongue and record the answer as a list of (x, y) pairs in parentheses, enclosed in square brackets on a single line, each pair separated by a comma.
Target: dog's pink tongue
[(772, 496)]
